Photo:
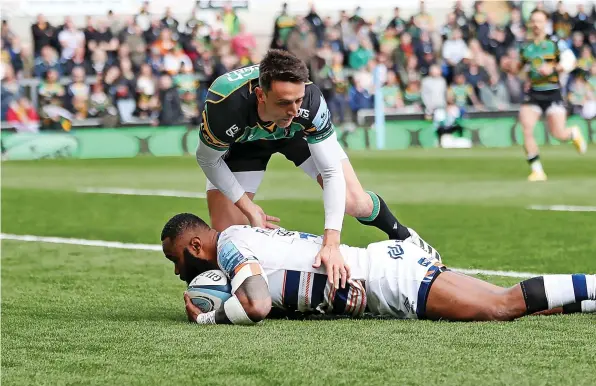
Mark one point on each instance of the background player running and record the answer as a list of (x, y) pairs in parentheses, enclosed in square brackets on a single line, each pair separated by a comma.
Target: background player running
[(257, 111), (273, 267), (545, 57)]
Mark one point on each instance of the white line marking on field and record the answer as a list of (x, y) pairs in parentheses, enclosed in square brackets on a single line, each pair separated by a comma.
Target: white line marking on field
[(563, 208), (89, 243), (142, 192), (155, 247)]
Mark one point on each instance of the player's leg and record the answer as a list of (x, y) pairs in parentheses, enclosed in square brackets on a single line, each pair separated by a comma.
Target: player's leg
[(529, 114), (556, 117), (248, 162), (452, 298)]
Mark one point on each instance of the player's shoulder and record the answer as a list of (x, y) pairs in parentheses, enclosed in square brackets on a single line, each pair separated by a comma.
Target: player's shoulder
[(234, 233), (233, 86), (314, 113)]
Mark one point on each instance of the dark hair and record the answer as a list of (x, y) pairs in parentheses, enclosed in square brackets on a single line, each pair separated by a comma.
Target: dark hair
[(281, 66), (179, 223), (539, 11)]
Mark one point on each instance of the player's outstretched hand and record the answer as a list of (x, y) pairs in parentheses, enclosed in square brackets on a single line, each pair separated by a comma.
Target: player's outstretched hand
[(192, 311), (337, 270), (258, 218)]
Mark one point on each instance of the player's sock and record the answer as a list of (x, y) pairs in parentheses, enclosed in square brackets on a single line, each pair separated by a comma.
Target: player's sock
[(585, 307), (535, 163), (382, 218), (552, 291)]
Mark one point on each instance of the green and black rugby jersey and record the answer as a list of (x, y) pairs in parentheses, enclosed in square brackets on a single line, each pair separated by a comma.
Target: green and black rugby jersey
[(230, 113), (534, 54)]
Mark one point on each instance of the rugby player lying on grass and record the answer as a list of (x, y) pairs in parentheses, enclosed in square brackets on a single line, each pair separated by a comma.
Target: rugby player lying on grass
[(274, 268)]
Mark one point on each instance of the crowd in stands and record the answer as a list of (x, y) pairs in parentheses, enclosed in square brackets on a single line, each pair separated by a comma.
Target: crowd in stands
[(157, 68)]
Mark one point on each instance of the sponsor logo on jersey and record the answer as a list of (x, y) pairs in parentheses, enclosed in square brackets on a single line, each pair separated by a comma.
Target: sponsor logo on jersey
[(395, 251), (231, 132), (303, 113), (322, 119), (241, 73)]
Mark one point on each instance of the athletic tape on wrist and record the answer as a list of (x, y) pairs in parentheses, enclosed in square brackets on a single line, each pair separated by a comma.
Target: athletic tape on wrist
[(206, 318)]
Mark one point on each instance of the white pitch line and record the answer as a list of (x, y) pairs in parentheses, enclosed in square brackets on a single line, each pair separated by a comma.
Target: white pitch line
[(156, 247), (142, 192), (563, 208)]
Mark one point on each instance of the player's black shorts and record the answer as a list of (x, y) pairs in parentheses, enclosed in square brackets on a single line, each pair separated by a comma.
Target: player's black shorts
[(544, 99), (255, 155)]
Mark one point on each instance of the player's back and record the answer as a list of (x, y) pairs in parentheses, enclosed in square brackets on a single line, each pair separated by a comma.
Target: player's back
[(287, 258)]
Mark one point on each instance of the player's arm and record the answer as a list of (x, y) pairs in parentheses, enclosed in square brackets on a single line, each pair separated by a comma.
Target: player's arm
[(326, 152), (250, 301), (213, 144)]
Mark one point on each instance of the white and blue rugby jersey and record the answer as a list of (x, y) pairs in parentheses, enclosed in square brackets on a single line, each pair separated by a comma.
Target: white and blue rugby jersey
[(285, 258)]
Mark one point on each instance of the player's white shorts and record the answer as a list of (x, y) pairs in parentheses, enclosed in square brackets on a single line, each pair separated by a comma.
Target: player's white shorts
[(399, 279)]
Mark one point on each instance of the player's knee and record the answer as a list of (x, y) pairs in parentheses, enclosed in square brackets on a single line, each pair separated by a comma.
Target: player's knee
[(500, 308), (358, 203)]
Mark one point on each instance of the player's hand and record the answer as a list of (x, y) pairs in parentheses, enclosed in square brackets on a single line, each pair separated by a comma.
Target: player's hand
[(337, 270), (258, 218), (192, 311)]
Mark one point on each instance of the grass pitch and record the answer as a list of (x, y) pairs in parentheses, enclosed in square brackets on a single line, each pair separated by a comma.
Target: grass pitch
[(88, 315)]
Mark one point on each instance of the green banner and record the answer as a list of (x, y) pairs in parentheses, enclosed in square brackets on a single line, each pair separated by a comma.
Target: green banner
[(487, 132), (180, 140)]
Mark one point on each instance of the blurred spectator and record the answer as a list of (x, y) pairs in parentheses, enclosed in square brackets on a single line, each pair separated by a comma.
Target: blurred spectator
[(230, 20), (155, 61), (10, 90), (388, 42), (475, 75), (423, 20), (577, 43), (23, 116), (78, 60), (434, 90), (302, 42), (70, 38), (392, 96), (169, 21), (175, 60), (48, 60), (412, 95), (516, 28), (101, 106), (43, 34), (115, 23), (121, 90), (143, 18), (499, 42), (146, 93), (316, 24), (164, 43), (13, 50), (170, 110), (360, 54), (243, 44), (99, 62), (592, 79), (494, 94), (152, 34), (50, 91), (592, 42), (346, 30), (479, 20), (403, 51), (77, 94), (562, 22), (454, 50), (585, 61), (461, 94), (450, 26), (426, 62), (187, 85), (581, 98), (461, 20), (397, 22), (408, 72), (423, 46), (476, 54), (283, 25), (511, 80), (582, 22), (103, 38), (334, 81)]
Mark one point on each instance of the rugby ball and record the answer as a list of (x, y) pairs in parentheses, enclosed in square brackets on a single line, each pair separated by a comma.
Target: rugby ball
[(209, 290)]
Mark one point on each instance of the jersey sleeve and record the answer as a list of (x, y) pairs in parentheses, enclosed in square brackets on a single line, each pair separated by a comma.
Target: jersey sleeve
[(315, 116), (236, 260), (219, 128)]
